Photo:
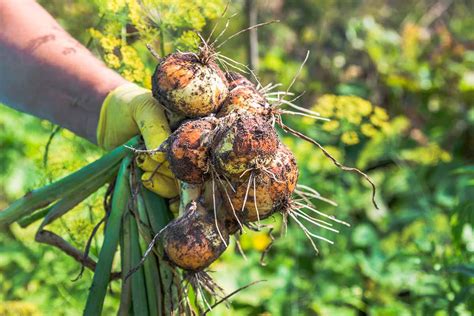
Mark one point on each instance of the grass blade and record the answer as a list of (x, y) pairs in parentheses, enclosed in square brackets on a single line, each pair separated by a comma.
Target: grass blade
[(120, 199)]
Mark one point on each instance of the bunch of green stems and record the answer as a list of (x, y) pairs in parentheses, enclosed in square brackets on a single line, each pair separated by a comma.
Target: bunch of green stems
[(134, 218)]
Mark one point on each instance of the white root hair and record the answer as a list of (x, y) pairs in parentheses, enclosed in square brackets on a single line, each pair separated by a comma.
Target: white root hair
[(255, 201), (231, 204)]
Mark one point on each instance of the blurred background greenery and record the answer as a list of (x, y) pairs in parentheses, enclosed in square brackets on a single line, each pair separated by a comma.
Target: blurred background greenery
[(397, 80)]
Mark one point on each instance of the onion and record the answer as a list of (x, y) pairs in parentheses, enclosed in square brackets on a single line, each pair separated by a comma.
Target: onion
[(187, 150), (188, 84), (235, 79), (243, 97), (243, 142), (270, 191), (192, 241)]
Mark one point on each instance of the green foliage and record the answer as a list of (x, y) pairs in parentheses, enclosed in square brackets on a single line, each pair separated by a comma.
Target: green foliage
[(396, 81)]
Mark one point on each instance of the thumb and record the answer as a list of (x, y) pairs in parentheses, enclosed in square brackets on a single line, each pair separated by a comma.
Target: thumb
[(151, 120)]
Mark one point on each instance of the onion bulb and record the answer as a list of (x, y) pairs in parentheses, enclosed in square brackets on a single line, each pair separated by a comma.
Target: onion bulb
[(193, 241), (267, 191), (243, 97), (243, 142), (188, 84), (187, 150)]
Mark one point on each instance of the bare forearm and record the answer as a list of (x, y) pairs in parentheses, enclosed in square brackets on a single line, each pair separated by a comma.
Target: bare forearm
[(45, 72)]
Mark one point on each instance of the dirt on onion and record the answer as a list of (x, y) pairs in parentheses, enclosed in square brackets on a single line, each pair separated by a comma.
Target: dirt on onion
[(190, 85), (193, 241), (187, 150), (243, 97), (243, 142), (234, 79), (267, 190)]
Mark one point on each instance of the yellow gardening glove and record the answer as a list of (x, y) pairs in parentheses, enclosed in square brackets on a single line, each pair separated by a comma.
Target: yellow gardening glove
[(130, 110), (157, 176)]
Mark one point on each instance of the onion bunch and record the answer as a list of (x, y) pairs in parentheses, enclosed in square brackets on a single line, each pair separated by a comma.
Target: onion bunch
[(227, 148), (233, 168)]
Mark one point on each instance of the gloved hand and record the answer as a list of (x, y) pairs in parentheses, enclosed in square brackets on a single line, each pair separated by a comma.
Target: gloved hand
[(130, 110)]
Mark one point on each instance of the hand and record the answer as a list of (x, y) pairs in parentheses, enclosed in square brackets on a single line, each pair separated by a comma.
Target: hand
[(130, 110)]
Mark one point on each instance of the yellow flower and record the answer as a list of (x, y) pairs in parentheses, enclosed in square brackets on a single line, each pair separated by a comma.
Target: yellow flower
[(307, 120), (188, 40), (340, 113), (380, 113), (130, 58), (364, 107), (368, 130), (386, 128), (427, 155), (330, 126), (127, 74), (138, 75), (114, 6), (347, 108), (112, 60), (325, 105), (147, 80), (137, 16), (95, 33), (350, 138), (19, 308), (354, 119), (351, 108), (255, 240), (324, 111), (113, 27), (109, 43), (445, 156), (374, 119)]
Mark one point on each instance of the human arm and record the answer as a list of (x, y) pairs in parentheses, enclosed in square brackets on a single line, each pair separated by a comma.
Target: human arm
[(47, 73)]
